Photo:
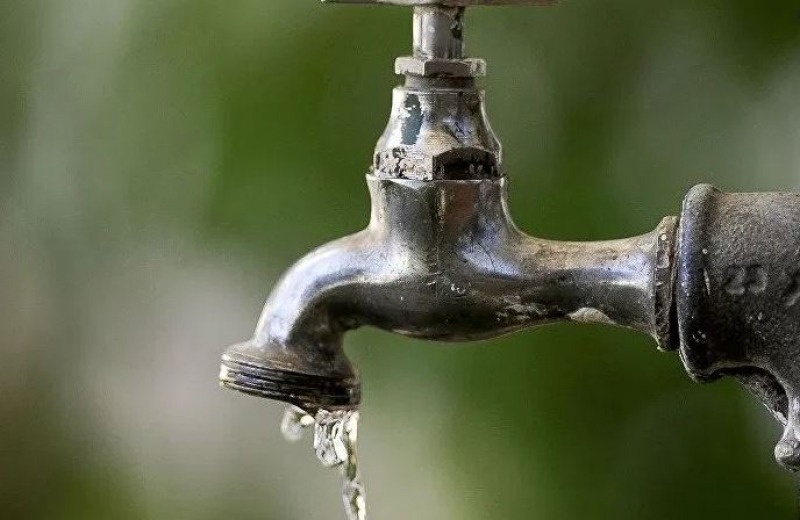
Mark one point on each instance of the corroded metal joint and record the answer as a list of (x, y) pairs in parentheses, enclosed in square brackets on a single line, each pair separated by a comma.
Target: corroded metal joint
[(438, 134), (440, 68)]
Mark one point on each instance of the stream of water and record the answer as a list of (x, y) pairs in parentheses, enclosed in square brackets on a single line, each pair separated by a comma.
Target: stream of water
[(335, 437)]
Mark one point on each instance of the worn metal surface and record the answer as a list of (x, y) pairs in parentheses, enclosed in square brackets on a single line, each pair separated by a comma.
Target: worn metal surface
[(738, 298), (438, 128), (438, 32), (438, 134), (442, 259), (439, 46)]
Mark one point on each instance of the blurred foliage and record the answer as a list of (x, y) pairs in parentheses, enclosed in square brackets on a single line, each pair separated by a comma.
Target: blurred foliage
[(241, 131)]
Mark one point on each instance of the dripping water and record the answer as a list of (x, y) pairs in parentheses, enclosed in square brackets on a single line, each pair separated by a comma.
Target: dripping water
[(335, 436)]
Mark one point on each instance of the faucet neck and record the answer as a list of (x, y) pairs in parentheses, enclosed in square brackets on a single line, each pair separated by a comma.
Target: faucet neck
[(438, 133), (438, 129)]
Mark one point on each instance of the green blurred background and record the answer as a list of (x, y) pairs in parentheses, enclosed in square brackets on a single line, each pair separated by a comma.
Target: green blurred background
[(163, 161)]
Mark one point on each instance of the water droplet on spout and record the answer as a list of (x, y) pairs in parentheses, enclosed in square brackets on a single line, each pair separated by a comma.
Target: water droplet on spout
[(294, 423)]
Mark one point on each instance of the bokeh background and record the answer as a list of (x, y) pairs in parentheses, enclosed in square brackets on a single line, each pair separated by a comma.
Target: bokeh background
[(163, 161)]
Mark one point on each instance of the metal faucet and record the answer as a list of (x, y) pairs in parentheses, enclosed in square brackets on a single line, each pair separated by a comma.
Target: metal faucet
[(441, 258)]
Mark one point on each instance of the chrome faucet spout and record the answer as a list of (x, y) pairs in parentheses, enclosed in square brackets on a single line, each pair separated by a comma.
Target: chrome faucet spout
[(295, 354), (440, 260)]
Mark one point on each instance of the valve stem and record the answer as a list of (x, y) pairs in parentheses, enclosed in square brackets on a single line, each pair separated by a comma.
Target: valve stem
[(439, 47), (438, 32)]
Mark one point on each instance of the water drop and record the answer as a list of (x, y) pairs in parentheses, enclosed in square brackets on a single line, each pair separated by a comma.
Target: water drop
[(295, 422)]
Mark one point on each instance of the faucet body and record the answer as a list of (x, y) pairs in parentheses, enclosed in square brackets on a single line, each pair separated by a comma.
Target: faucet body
[(441, 259)]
